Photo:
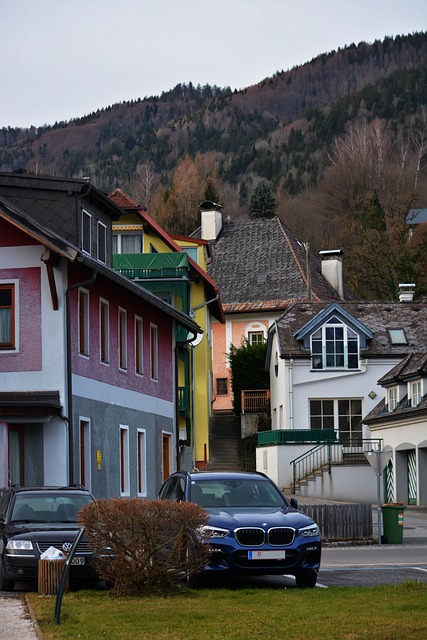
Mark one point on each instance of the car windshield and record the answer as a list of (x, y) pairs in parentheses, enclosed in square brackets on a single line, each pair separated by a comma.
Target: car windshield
[(236, 493), (48, 507)]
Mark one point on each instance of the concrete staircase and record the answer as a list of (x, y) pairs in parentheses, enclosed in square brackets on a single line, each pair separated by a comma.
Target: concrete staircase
[(224, 435)]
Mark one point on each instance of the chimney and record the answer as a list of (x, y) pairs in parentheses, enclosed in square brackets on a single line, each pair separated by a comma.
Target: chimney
[(211, 220), (332, 269), (406, 292)]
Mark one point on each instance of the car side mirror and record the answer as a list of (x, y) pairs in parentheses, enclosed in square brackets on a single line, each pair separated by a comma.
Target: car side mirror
[(294, 503)]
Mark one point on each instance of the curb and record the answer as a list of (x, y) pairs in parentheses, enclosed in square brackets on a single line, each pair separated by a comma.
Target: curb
[(33, 619)]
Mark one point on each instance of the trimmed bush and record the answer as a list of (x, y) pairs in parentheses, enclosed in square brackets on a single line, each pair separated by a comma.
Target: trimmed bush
[(144, 545)]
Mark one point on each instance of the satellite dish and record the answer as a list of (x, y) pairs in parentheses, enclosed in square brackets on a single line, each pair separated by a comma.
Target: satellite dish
[(197, 340)]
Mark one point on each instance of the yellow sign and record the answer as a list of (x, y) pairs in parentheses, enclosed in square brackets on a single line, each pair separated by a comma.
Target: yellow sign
[(99, 460)]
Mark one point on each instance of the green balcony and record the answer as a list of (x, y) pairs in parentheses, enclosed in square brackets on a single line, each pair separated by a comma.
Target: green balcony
[(295, 436)]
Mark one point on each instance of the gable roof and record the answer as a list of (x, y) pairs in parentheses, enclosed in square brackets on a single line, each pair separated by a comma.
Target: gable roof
[(52, 200), (333, 309), (125, 202), (260, 264), (376, 317), (42, 234), (412, 367)]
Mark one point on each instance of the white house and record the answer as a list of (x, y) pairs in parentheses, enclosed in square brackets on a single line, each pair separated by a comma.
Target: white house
[(325, 360), (400, 419)]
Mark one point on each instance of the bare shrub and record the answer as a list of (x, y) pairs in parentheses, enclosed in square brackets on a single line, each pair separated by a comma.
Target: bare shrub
[(144, 545)]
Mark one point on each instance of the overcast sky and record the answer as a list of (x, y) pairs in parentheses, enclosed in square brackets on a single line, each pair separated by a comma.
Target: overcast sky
[(63, 59)]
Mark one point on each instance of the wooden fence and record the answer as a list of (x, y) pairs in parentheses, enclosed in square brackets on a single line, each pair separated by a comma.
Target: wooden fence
[(341, 521)]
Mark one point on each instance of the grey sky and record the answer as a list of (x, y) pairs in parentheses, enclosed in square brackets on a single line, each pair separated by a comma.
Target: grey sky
[(62, 59)]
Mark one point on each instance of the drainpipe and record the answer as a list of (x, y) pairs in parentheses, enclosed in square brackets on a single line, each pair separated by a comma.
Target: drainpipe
[(69, 391), (199, 306), (181, 342), (291, 394)]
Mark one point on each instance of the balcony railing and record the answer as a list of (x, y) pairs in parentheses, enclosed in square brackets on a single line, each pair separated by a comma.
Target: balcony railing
[(255, 401), (183, 401)]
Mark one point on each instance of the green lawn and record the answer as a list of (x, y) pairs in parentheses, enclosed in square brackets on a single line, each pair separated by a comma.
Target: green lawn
[(374, 613)]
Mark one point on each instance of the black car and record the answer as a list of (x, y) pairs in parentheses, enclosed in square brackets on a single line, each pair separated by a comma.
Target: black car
[(252, 528), (32, 519)]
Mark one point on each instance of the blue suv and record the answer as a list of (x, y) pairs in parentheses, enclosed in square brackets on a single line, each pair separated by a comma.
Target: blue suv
[(252, 528)]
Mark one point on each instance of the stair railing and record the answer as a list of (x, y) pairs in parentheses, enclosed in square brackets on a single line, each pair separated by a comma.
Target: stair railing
[(325, 454)]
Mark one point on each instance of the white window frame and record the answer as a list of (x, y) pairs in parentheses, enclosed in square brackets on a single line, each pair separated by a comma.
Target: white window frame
[(15, 319), (392, 398), (252, 329), (336, 414), (416, 392), (86, 473), (104, 304), (86, 217), (118, 237), (141, 462), (101, 242), (139, 345), (154, 352), (122, 338), (124, 465), (324, 355), (84, 323), (168, 436)]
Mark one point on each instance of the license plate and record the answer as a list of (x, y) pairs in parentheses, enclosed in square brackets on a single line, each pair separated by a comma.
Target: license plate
[(79, 560), (266, 555)]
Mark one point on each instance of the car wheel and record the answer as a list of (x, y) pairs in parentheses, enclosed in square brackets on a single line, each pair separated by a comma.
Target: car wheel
[(5, 585), (306, 579)]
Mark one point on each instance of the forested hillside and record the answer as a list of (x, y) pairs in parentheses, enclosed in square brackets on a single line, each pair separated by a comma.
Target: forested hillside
[(341, 142)]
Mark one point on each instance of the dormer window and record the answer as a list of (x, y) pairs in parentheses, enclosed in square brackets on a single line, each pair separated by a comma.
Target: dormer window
[(416, 394), (392, 398), (335, 346)]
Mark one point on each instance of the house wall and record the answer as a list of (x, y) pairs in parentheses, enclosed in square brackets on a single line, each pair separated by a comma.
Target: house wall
[(400, 437), (347, 483), (108, 396), (91, 366), (38, 362), (233, 332), (296, 384), (202, 375), (112, 409)]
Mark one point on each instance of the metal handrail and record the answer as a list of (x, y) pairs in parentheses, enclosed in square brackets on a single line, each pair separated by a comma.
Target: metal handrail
[(325, 454)]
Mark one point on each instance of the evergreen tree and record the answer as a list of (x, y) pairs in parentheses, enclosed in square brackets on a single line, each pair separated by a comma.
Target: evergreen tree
[(247, 364), (262, 203), (210, 192)]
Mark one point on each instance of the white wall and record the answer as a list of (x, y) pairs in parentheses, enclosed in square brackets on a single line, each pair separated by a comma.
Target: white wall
[(296, 384), (347, 483)]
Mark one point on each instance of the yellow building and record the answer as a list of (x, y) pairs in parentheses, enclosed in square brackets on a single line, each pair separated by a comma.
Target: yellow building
[(174, 269)]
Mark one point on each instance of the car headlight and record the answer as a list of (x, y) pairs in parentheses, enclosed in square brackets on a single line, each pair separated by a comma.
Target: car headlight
[(20, 545), (310, 531), (212, 532)]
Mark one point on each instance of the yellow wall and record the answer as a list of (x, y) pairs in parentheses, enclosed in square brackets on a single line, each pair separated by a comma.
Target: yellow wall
[(201, 356)]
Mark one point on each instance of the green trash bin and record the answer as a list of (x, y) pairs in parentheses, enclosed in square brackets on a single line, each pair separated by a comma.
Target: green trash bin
[(393, 522)]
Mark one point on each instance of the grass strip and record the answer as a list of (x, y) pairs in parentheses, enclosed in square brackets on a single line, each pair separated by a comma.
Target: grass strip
[(392, 612)]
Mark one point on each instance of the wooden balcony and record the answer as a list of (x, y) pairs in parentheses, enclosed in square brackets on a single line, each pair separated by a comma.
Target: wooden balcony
[(256, 401)]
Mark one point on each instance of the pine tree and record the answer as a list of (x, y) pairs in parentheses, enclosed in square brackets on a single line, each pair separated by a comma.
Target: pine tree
[(210, 192), (262, 203)]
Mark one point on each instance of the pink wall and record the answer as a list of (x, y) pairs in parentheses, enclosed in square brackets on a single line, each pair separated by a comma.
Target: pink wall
[(29, 356), (219, 362), (92, 367), (10, 236)]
